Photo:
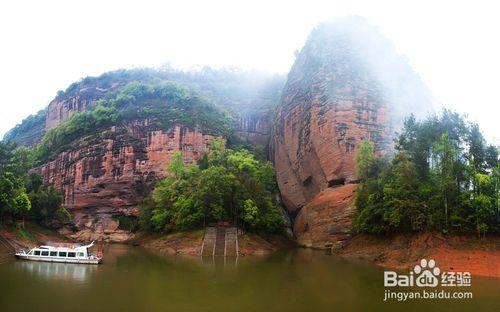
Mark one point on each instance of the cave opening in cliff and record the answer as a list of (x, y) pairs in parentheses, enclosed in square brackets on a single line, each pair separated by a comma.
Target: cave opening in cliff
[(336, 182)]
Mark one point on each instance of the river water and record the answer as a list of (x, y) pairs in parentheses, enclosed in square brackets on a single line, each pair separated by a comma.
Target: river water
[(135, 279)]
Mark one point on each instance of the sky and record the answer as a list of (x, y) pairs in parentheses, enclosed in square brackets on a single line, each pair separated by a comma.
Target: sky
[(47, 45)]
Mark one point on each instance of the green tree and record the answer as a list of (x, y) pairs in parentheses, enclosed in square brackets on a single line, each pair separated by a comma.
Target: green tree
[(46, 203), (404, 209), (14, 163), (365, 159), (176, 166), (445, 153), (443, 176), (484, 203), (225, 185)]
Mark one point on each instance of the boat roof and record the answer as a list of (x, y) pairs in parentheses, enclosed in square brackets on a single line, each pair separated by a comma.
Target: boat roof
[(64, 246)]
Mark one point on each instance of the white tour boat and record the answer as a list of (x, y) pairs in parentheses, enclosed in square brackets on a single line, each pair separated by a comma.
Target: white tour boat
[(61, 252)]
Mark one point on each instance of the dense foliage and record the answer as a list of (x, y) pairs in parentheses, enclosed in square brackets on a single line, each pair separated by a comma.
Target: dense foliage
[(443, 176), (46, 203), (227, 87), (14, 164), (22, 195), (225, 185), (166, 104)]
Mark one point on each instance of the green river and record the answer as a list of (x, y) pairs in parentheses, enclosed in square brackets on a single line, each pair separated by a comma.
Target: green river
[(135, 279)]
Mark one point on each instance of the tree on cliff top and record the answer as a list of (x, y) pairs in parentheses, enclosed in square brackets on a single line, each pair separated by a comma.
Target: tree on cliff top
[(165, 104), (228, 88)]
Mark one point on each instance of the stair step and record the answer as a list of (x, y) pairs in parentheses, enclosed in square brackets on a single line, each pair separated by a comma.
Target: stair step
[(220, 241), (209, 241)]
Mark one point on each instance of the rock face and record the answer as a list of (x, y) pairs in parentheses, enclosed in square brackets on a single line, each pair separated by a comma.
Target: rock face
[(106, 176), (336, 96), (253, 127), (62, 108), (327, 218)]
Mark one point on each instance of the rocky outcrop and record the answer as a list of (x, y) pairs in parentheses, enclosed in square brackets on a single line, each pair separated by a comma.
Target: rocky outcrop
[(326, 220), (337, 95), (329, 106), (252, 126), (108, 174)]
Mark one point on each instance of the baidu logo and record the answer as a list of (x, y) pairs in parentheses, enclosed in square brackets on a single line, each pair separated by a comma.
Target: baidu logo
[(426, 274)]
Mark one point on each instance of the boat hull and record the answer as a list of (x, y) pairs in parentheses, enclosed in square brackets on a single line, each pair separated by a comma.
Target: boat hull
[(59, 260)]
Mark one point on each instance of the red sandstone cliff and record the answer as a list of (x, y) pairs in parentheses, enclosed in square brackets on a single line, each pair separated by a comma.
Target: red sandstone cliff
[(347, 85), (335, 97), (105, 176)]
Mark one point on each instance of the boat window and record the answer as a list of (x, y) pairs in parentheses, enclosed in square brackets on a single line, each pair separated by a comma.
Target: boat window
[(37, 252), (62, 253), (72, 254), (53, 253), (80, 254), (45, 253)]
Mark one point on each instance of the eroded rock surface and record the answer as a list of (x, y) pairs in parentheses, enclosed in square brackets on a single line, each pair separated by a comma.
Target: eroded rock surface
[(326, 220), (108, 174)]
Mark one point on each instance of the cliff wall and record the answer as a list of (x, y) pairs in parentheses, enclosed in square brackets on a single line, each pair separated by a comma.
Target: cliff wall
[(254, 127), (107, 175), (337, 94)]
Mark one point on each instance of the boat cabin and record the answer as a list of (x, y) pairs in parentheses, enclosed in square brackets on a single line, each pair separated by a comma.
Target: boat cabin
[(47, 251)]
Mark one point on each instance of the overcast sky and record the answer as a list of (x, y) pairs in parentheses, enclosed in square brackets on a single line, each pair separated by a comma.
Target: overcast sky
[(46, 45)]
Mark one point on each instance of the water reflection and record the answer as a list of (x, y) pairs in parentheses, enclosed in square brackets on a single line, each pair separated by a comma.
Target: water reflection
[(80, 273), (219, 264), (135, 279)]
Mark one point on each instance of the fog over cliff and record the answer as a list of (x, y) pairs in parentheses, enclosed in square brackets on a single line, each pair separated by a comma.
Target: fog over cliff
[(401, 86), (449, 44)]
